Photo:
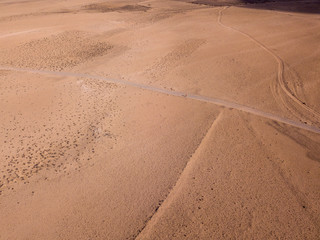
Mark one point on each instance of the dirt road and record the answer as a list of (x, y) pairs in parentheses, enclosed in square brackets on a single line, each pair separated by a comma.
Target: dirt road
[(159, 120)]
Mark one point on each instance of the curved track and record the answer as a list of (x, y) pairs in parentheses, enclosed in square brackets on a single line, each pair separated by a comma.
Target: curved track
[(296, 104)]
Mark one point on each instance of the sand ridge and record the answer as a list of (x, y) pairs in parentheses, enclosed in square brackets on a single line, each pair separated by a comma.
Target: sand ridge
[(159, 120)]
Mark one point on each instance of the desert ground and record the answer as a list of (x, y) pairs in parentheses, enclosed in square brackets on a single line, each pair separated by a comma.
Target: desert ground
[(160, 119)]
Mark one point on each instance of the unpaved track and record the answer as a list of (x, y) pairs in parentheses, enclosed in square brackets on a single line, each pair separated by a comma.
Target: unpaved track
[(157, 122), (216, 101), (280, 73), (19, 33)]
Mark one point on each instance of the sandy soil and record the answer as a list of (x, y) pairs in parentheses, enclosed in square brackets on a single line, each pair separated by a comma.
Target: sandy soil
[(159, 120)]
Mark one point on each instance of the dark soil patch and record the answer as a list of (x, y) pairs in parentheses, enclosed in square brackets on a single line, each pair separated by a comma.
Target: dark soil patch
[(104, 7)]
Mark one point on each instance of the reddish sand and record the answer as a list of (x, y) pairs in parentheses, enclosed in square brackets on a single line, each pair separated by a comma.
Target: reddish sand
[(159, 120)]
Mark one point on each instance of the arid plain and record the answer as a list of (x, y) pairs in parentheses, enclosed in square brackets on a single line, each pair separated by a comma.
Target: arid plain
[(159, 119)]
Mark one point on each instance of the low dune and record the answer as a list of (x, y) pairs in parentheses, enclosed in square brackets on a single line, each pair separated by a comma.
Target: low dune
[(178, 119)]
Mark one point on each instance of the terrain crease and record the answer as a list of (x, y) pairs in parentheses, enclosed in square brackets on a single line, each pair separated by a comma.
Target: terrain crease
[(298, 195), (146, 120), (184, 174), (280, 75), (216, 101)]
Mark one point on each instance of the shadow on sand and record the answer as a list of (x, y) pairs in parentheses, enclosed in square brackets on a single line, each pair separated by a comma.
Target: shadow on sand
[(302, 6)]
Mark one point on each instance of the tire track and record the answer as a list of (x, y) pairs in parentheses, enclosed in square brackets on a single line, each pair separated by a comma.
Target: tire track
[(215, 101), (19, 33), (280, 74)]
